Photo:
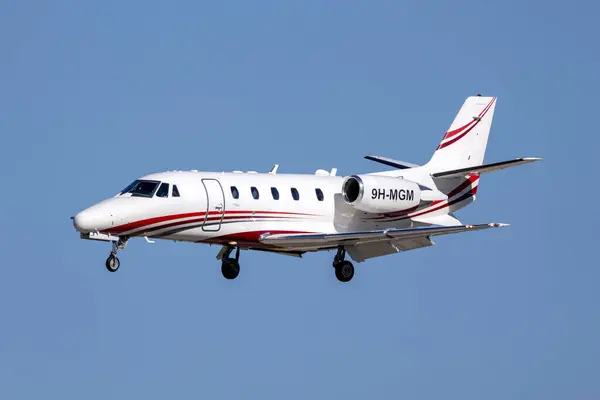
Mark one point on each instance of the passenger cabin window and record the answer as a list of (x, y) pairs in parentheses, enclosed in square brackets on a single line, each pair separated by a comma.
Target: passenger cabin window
[(175, 191), (254, 192), (141, 188), (275, 193), (295, 194), (163, 190), (319, 193), (235, 193)]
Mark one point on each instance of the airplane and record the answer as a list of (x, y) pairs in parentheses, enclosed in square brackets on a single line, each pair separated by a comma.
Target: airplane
[(362, 216)]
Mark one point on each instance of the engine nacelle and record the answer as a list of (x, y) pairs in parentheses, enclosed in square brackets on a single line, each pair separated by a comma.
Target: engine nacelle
[(380, 194)]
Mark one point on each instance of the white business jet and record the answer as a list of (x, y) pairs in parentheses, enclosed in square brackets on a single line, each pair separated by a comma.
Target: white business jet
[(362, 216)]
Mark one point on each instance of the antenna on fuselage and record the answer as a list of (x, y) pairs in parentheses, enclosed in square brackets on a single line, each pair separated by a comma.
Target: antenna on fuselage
[(273, 170)]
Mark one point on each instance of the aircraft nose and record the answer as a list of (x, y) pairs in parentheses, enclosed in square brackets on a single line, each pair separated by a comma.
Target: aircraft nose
[(89, 220), (84, 221)]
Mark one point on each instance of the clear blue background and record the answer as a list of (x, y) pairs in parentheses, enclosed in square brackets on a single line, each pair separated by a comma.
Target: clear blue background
[(95, 95)]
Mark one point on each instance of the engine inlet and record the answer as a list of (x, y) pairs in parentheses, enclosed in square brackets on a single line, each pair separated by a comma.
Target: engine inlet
[(352, 189)]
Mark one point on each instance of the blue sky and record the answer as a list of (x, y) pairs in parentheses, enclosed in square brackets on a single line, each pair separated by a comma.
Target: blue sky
[(95, 95)]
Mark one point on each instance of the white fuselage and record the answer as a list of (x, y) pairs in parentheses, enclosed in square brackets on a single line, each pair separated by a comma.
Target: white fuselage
[(222, 208)]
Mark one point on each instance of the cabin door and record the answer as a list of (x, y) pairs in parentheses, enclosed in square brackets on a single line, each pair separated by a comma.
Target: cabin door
[(215, 205)]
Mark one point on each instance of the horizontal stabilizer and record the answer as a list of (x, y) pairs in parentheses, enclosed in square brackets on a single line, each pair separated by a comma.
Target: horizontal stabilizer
[(482, 169), (391, 162)]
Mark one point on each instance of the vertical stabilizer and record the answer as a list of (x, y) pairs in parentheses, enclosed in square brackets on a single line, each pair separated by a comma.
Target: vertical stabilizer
[(465, 142)]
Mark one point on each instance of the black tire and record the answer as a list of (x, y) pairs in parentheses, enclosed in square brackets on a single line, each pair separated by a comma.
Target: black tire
[(112, 263), (344, 271), (336, 261), (230, 268)]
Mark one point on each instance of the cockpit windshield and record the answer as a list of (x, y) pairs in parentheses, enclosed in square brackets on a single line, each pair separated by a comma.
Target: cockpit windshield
[(141, 188)]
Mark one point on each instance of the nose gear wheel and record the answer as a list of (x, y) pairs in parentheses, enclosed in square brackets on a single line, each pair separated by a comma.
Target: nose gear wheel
[(112, 262)]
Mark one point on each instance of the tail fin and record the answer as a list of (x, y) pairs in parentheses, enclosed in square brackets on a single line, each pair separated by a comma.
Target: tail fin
[(464, 144)]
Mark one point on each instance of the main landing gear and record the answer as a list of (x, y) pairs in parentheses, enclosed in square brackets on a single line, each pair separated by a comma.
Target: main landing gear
[(230, 267), (112, 262), (344, 270)]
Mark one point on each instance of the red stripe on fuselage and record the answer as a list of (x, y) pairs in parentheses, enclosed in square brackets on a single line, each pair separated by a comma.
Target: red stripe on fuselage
[(463, 186), (471, 179), (202, 215), (250, 237), (209, 219), (150, 221)]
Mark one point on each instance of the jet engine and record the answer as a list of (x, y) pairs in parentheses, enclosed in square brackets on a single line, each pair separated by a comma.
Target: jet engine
[(380, 194)]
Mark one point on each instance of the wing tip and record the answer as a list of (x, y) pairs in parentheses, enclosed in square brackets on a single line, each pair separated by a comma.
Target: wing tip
[(498, 225)]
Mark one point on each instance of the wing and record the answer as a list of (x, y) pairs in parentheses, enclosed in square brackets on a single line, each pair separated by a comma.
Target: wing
[(369, 244)]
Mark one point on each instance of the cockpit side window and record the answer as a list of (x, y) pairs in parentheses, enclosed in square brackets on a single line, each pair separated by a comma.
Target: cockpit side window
[(163, 190), (128, 188), (175, 191), (142, 188)]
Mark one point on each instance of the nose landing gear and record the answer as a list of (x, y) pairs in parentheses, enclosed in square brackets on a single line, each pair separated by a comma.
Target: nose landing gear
[(344, 270), (112, 262), (230, 267)]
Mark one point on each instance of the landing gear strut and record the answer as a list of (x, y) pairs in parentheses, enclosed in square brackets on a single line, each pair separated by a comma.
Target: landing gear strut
[(112, 262), (230, 267), (344, 270)]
